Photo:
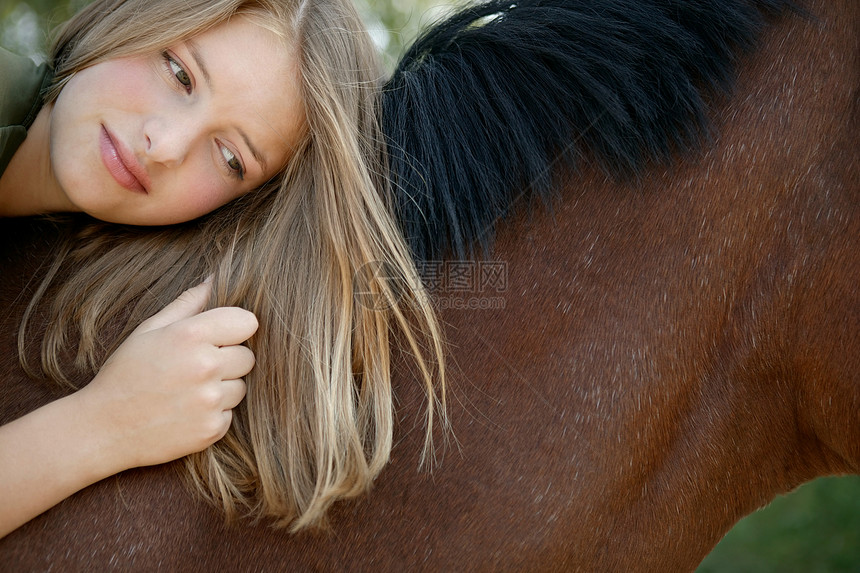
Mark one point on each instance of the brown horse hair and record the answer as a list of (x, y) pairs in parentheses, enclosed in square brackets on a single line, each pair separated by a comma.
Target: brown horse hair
[(317, 422)]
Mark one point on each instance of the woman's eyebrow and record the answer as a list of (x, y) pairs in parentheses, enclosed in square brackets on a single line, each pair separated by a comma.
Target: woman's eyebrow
[(261, 159), (194, 50)]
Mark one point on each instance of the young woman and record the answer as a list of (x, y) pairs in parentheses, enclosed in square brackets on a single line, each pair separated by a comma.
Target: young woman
[(250, 128)]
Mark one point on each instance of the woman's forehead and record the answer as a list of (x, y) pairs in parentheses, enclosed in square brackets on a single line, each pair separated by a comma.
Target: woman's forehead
[(252, 77)]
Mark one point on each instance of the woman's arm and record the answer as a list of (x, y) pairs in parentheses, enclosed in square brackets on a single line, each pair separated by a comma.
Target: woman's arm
[(166, 392)]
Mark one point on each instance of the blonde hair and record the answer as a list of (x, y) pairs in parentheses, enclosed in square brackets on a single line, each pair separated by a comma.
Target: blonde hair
[(301, 253)]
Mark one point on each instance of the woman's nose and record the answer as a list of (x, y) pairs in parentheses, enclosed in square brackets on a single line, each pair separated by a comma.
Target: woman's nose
[(168, 140)]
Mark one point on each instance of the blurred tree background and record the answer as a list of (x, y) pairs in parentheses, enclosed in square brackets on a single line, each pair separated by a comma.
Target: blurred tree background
[(393, 24), (814, 529)]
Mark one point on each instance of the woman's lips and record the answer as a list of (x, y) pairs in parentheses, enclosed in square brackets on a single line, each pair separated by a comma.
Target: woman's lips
[(121, 164)]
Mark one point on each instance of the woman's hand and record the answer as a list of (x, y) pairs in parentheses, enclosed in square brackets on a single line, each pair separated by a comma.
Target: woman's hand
[(169, 389)]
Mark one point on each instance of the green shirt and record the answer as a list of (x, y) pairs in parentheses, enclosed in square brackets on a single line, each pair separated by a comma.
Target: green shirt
[(21, 85)]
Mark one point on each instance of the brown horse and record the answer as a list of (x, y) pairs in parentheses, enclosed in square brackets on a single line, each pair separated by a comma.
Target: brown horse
[(636, 370)]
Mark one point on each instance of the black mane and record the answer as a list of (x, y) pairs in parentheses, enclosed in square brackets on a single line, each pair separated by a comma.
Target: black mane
[(487, 103)]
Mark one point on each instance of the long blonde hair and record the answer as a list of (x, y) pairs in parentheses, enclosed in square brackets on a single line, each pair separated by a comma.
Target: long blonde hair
[(303, 253)]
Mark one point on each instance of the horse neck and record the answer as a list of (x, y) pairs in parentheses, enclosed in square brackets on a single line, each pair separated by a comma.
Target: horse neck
[(696, 328)]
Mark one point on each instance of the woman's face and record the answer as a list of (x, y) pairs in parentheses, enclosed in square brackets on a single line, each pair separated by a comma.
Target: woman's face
[(163, 138)]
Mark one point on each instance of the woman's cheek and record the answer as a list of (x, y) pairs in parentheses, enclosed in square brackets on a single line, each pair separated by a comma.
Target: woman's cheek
[(203, 198)]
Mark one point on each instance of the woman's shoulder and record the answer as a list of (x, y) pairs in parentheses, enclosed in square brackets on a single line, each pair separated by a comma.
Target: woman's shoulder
[(22, 83), (20, 100)]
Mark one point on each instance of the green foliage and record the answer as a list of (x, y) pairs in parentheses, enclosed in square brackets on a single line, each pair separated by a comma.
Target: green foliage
[(24, 25), (815, 528), (396, 23)]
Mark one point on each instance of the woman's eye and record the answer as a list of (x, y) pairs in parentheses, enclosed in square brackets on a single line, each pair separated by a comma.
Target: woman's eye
[(233, 163), (180, 74)]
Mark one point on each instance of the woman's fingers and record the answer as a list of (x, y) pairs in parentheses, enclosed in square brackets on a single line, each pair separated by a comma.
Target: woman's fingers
[(170, 388), (186, 305), (236, 361), (230, 393), (233, 393), (223, 326)]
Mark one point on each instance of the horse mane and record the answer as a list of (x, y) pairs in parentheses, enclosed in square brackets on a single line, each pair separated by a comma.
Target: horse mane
[(485, 106)]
